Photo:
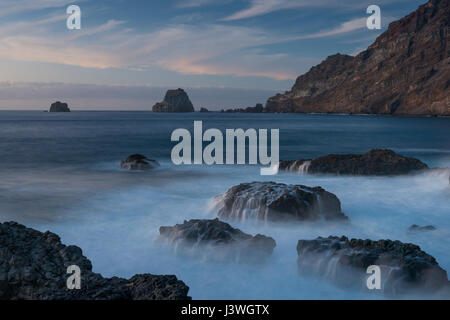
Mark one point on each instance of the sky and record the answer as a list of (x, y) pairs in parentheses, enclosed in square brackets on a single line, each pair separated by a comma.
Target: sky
[(224, 53)]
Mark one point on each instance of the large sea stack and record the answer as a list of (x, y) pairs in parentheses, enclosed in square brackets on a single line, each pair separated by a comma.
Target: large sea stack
[(174, 101), (406, 71), (59, 107)]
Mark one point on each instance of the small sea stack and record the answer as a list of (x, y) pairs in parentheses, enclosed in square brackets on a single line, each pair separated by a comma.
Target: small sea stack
[(59, 106), (270, 201), (217, 240)]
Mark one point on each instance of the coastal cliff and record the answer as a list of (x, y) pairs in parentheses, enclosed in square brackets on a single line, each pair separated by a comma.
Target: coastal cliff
[(406, 71)]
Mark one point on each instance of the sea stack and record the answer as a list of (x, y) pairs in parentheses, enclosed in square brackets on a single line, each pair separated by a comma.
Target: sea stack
[(174, 101), (59, 107)]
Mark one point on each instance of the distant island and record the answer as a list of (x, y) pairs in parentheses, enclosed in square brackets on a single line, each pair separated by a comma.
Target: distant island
[(59, 107), (406, 71), (174, 101), (259, 108)]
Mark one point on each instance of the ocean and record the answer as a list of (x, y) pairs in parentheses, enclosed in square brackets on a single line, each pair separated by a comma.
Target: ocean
[(60, 172)]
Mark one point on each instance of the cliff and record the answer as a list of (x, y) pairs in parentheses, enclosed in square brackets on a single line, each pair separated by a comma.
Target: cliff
[(406, 71), (174, 101)]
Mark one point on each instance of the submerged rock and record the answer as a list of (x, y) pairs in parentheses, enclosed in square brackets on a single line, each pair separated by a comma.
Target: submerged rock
[(405, 268), (59, 107), (272, 201), (138, 162), (377, 162), (416, 227), (33, 265), (218, 240), (174, 101)]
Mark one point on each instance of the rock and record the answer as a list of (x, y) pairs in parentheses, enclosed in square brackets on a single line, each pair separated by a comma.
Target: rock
[(218, 240), (415, 227), (405, 268), (174, 101), (59, 107), (377, 162), (204, 110), (272, 201), (404, 72), (138, 162), (256, 109), (33, 266)]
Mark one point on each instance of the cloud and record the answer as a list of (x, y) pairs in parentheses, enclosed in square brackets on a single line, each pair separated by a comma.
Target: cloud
[(8, 8), (263, 7), (348, 26)]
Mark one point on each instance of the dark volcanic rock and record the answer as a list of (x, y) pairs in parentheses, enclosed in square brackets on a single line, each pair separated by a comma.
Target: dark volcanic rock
[(218, 239), (272, 201), (377, 162), (33, 265), (415, 227), (404, 266), (174, 101), (59, 107), (204, 110), (406, 71), (138, 162), (258, 108)]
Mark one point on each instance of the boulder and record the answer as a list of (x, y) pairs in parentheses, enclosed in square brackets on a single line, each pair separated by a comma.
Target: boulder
[(405, 268), (59, 107), (33, 266), (215, 239), (138, 162), (272, 201), (376, 162), (204, 110), (174, 101)]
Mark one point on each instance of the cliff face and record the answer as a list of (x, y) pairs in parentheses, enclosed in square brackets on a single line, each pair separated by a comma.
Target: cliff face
[(406, 71)]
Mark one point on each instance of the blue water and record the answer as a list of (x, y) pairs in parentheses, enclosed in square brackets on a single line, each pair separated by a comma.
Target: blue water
[(60, 172)]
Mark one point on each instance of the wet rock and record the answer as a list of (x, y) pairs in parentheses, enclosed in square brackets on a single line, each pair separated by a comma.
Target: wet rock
[(376, 162), (416, 227), (174, 101), (59, 107), (215, 239), (405, 268), (272, 201), (33, 265), (138, 162)]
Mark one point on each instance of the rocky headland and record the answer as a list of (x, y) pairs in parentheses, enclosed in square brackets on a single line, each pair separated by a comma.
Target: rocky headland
[(59, 107), (406, 71)]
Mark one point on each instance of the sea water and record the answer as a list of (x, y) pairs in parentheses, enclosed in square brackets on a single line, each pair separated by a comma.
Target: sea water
[(60, 172)]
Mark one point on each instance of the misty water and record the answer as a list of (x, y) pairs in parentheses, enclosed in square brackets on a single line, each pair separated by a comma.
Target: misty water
[(60, 172)]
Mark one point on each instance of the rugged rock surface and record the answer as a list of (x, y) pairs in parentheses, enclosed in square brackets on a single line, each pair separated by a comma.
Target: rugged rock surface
[(405, 268), (203, 110), (218, 239), (377, 162), (416, 227), (406, 71), (33, 265), (138, 162), (174, 101), (59, 107), (258, 108), (272, 201)]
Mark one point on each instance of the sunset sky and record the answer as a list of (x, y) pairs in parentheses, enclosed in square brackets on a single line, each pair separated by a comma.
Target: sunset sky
[(225, 53)]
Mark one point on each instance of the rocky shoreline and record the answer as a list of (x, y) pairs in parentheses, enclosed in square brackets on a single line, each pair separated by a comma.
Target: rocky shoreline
[(33, 266)]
